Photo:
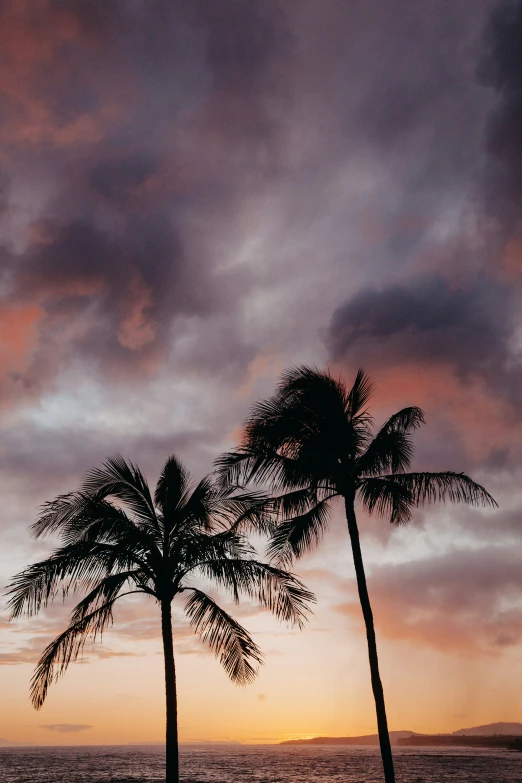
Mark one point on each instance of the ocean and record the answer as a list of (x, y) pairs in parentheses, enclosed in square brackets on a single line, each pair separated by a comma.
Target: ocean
[(256, 764)]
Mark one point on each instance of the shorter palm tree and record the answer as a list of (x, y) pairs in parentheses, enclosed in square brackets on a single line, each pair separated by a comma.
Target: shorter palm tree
[(313, 442), (118, 540)]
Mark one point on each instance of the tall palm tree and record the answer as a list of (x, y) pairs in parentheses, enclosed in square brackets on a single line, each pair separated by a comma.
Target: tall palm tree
[(313, 441), (118, 539)]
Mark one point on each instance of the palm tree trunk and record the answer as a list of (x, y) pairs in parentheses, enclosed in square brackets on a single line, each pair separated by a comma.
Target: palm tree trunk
[(382, 723), (172, 752)]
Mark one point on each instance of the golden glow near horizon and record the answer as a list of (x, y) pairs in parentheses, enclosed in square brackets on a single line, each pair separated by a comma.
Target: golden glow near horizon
[(313, 683)]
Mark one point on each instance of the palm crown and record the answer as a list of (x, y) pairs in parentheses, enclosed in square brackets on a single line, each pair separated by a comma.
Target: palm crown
[(118, 539), (314, 440)]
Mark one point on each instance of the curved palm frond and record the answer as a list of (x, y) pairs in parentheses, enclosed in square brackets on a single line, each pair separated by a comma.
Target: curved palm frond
[(65, 649), (272, 588), (215, 507), (108, 590), (359, 397), (299, 501), (197, 508), (262, 465), (299, 534), (79, 516), (60, 515), (391, 450), (172, 487), (406, 420), (439, 487), (124, 481), (242, 512), (229, 641), (386, 497), (191, 550), (68, 568)]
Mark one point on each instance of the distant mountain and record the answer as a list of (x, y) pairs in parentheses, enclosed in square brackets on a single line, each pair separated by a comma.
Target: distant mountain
[(510, 729), (365, 739), (514, 729)]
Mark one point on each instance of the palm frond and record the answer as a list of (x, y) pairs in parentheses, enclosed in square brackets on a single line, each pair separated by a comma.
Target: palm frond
[(108, 590), (297, 502), (65, 649), (293, 537), (192, 550), (242, 512), (125, 481), (172, 486), (433, 487), (272, 588), (232, 468), (406, 420), (264, 466), (66, 514), (391, 450), (68, 568), (359, 396), (301, 435), (229, 641), (386, 497), (79, 516)]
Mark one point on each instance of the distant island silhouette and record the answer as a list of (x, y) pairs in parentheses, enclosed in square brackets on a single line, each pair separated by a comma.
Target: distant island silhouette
[(490, 734)]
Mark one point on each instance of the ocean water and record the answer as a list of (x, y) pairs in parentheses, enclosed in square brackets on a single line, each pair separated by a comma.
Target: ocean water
[(256, 764)]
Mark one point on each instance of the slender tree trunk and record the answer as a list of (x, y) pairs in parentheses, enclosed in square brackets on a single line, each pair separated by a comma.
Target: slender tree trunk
[(382, 723), (172, 752)]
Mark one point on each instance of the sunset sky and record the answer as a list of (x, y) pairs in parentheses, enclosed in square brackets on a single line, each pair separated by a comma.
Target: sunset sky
[(196, 195)]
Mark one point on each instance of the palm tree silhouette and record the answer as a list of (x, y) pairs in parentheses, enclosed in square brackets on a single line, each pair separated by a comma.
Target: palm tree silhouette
[(313, 441), (117, 539)]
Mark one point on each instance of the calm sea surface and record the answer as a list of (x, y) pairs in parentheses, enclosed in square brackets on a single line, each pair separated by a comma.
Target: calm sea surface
[(262, 764)]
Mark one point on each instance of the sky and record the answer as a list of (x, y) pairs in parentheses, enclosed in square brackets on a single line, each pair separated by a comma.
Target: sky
[(195, 196)]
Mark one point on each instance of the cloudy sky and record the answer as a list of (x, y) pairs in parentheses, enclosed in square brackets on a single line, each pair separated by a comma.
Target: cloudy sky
[(195, 196)]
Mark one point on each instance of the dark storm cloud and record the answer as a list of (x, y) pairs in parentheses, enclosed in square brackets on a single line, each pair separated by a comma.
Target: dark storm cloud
[(156, 123), (147, 121), (445, 325), (428, 321), (501, 69)]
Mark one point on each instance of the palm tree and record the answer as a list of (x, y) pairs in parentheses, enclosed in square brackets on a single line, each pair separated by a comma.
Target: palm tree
[(313, 441), (118, 539)]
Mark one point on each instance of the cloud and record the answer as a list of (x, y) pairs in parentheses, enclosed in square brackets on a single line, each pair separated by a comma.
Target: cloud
[(428, 320), (66, 728), (134, 622), (500, 68), (139, 147), (32, 651), (187, 195), (465, 601), (450, 347)]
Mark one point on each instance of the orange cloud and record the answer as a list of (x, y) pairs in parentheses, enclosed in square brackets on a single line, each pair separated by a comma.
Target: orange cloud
[(484, 422), (264, 365), (135, 330), (18, 337), (465, 601), (512, 260)]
